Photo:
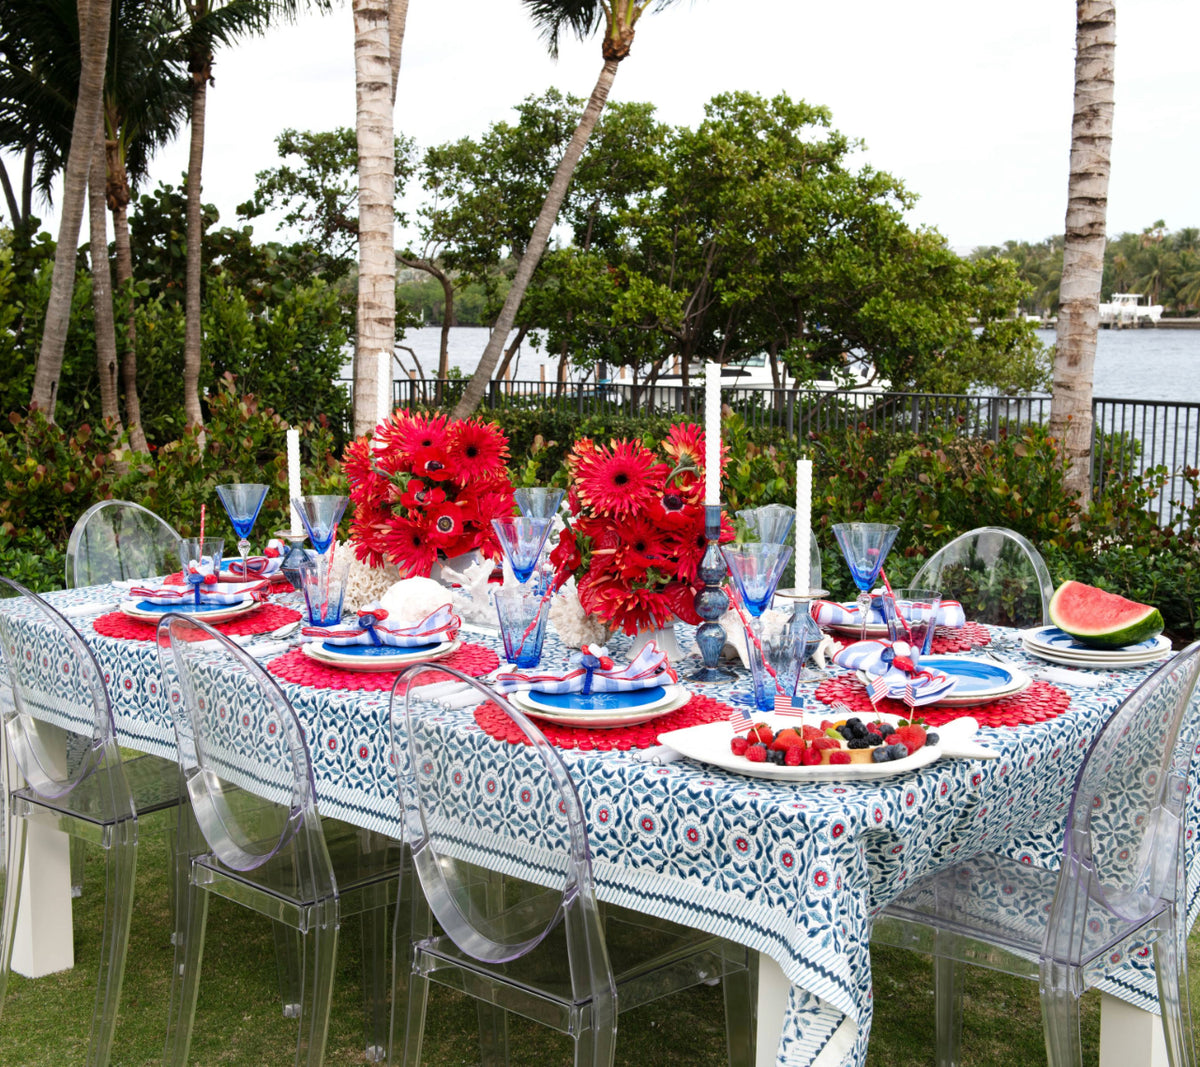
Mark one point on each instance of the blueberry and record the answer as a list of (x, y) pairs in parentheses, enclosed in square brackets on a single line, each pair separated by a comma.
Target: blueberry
[(931, 738), (898, 750), (880, 755), (846, 731), (776, 756), (854, 723)]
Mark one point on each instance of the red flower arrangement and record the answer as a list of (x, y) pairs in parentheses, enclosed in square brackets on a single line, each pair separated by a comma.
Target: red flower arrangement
[(638, 534), (427, 487)]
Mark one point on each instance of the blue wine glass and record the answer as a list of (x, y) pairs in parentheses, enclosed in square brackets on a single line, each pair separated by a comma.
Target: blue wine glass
[(770, 523), (522, 541), (320, 515), (536, 502), (242, 501), (865, 546)]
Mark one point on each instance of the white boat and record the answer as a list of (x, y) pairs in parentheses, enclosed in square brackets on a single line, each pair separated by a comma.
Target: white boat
[(1127, 309)]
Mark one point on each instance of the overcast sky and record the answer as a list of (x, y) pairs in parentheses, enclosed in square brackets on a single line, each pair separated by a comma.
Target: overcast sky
[(969, 104)]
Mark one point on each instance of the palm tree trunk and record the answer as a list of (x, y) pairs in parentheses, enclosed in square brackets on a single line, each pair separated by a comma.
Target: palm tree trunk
[(118, 203), (376, 207), (102, 305), (397, 17), (93, 55), (1083, 248), (473, 394), (192, 339)]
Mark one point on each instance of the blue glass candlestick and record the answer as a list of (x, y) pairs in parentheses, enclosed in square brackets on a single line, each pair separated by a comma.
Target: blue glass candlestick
[(711, 602)]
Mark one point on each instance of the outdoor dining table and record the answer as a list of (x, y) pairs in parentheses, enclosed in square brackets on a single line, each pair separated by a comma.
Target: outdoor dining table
[(794, 870)]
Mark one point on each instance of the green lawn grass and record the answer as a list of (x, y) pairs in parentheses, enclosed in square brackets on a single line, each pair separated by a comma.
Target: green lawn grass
[(238, 1021)]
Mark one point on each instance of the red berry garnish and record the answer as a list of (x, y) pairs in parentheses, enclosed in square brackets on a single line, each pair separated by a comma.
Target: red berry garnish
[(739, 745), (793, 756), (839, 757), (761, 733), (757, 753), (811, 757)]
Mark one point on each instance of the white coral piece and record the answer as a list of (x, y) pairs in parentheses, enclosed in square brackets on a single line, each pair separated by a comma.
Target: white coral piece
[(364, 583), (573, 625), (472, 599)]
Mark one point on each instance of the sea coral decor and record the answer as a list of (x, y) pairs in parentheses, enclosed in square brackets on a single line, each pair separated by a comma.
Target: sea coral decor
[(426, 488), (637, 536)]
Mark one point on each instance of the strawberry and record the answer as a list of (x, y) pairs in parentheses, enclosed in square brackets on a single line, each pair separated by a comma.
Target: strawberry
[(821, 744), (757, 753), (739, 745), (760, 733), (787, 738), (811, 733), (911, 737)]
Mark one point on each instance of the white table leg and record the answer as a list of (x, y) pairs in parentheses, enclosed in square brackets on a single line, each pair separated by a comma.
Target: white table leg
[(773, 992), (44, 941), (1129, 1035)]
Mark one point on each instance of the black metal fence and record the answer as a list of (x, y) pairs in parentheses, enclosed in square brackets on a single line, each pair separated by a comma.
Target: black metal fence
[(1129, 436)]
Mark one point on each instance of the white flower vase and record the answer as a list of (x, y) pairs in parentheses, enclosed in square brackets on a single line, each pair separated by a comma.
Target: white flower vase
[(664, 638), (458, 564)]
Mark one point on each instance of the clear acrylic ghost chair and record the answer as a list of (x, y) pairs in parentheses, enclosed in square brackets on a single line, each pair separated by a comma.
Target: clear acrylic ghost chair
[(118, 540), (56, 691), (255, 838), (547, 950), (1122, 881), (996, 574)]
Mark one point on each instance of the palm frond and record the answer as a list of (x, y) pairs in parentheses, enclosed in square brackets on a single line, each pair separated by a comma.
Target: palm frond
[(556, 17)]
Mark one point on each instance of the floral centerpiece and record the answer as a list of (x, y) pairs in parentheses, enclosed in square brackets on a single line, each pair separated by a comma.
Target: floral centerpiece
[(426, 488), (638, 533)]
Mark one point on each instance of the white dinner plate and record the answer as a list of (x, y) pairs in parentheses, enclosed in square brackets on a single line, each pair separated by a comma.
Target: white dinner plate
[(709, 743), (601, 717), (371, 660), (146, 612), (1052, 639), (1094, 664), (977, 681)]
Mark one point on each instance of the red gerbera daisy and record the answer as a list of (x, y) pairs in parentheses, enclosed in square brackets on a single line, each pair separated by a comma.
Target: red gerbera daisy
[(685, 441), (685, 538), (408, 546), (443, 524), (566, 555), (641, 547), (409, 433), (622, 479), (476, 450)]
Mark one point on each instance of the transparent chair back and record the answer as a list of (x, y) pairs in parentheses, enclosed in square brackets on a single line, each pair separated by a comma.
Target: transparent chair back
[(996, 574), (57, 690), (445, 824), (117, 539), (242, 753)]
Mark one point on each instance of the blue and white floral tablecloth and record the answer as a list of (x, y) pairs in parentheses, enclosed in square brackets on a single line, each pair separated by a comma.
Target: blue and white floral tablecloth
[(796, 871)]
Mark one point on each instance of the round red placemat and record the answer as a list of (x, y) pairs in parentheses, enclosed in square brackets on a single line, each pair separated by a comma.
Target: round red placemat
[(960, 639), (700, 709), (268, 617), (295, 666), (1040, 702)]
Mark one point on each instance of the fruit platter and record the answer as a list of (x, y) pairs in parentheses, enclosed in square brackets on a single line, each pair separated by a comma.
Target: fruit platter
[(793, 748)]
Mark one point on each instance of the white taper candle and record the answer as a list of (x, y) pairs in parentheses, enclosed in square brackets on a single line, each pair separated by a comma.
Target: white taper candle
[(712, 433), (385, 385), (294, 491), (803, 524)]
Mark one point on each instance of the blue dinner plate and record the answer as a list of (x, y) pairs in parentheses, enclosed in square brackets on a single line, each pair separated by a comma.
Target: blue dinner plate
[(183, 609), (636, 698), (1053, 637), (381, 650), (972, 675)]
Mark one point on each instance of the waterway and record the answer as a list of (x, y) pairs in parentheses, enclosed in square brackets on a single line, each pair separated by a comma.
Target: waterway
[(1141, 364)]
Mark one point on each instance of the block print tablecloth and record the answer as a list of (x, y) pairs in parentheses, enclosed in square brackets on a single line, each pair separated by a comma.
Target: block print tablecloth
[(793, 870)]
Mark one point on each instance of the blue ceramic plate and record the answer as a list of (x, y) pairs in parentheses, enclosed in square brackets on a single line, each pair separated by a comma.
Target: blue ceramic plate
[(382, 651), (972, 675), (638, 698), (184, 609), (1057, 640)]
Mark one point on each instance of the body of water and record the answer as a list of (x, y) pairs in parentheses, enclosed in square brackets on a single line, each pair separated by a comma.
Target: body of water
[(1130, 364)]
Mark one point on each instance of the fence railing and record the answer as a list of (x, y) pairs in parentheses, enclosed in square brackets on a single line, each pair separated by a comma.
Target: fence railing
[(1128, 438)]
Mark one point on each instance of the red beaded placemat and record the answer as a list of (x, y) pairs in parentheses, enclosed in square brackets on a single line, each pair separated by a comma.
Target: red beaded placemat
[(295, 666), (945, 640), (700, 709), (266, 618), (1040, 702)]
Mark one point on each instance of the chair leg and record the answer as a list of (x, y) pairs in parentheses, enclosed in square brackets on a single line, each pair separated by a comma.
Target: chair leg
[(493, 1034), (948, 995), (120, 865), (185, 976), (288, 965), (741, 1014), (15, 864), (1170, 967), (595, 1047), (374, 922), (1060, 1016), (320, 959), (78, 853), (414, 922)]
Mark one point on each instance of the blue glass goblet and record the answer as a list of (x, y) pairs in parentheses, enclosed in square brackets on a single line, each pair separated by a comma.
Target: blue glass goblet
[(770, 524), (537, 502), (522, 540), (756, 570), (321, 515), (865, 546), (243, 501)]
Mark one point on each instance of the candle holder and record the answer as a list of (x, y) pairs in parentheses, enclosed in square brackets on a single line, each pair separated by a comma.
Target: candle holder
[(711, 602)]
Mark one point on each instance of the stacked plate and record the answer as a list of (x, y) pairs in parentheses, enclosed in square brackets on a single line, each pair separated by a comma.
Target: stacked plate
[(147, 612), (977, 681), (1051, 643), (374, 658), (601, 710)]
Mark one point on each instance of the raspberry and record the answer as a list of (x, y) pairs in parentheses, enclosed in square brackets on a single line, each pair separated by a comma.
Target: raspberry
[(757, 753), (760, 732), (839, 757), (739, 745), (811, 757), (793, 756)]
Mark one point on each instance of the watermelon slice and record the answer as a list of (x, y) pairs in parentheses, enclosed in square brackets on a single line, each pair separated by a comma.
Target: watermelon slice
[(1100, 619)]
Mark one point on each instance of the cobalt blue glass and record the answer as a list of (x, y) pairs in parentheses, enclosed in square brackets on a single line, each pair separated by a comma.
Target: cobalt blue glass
[(711, 602)]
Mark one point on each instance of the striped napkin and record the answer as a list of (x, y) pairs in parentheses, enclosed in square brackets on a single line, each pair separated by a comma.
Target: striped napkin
[(263, 566), (372, 627), (896, 672), (596, 673), (202, 574), (830, 613)]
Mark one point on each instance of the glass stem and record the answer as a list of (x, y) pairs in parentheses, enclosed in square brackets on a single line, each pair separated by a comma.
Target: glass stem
[(864, 605), (244, 549)]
